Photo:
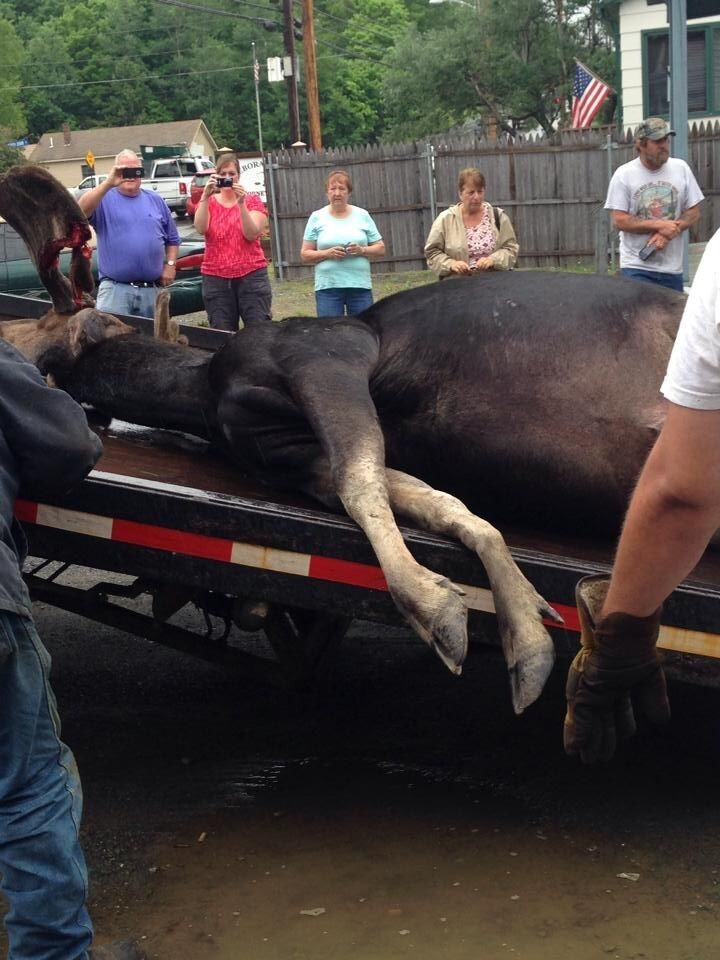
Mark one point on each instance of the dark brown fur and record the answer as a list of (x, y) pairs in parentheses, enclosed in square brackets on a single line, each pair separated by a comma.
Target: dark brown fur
[(48, 219)]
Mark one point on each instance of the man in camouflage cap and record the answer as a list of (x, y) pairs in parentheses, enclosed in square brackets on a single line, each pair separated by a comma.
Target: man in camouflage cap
[(654, 128), (653, 199)]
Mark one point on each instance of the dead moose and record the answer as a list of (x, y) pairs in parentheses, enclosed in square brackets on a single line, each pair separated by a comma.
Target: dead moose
[(526, 397)]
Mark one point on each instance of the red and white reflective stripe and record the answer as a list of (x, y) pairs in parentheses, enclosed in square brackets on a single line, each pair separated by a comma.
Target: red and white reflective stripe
[(315, 567), (209, 548)]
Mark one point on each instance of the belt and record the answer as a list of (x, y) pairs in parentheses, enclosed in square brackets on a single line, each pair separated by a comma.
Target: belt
[(133, 283)]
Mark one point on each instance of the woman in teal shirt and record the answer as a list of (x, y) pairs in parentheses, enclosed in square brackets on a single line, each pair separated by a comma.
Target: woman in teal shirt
[(339, 241)]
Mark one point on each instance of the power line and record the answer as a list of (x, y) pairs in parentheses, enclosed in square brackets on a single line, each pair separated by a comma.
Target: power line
[(149, 76), (221, 13), (164, 76)]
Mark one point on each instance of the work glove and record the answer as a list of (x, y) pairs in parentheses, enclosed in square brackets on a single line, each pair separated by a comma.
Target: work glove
[(618, 655)]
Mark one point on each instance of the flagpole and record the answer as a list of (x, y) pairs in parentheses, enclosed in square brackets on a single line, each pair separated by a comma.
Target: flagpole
[(256, 77)]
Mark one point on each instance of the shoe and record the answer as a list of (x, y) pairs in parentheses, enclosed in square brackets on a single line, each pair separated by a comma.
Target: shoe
[(120, 950)]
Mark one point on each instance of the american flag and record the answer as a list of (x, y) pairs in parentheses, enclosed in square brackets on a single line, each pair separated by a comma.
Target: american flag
[(589, 94), (256, 72)]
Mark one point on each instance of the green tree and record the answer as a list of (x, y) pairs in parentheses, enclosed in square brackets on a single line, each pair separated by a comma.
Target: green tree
[(9, 156), (511, 63), (350, 67), (47, 98), (12, 116)]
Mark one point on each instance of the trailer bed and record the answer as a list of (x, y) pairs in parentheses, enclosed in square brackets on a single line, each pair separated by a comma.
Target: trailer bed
[(179, 518)]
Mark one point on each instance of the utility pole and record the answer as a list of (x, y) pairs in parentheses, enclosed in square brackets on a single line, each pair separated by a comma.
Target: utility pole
[(311, 84), (291, 80)]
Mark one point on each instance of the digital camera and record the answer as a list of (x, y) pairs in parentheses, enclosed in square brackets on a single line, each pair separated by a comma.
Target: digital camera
[(224, 181), (132, 173)]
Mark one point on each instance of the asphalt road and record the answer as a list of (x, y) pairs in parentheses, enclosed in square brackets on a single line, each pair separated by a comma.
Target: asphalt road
[(409, 811)]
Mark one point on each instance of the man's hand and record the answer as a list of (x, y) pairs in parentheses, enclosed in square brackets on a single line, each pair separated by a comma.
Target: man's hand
[(618, 657), (114, 178), (168, 275), (670, 229)]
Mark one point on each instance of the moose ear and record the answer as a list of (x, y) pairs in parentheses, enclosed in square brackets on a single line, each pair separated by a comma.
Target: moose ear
[(85, 328), (89, 326)]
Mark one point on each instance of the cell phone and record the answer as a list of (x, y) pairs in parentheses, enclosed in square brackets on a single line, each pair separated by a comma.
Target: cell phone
[(224, 181), (132, 173), (647, 251)]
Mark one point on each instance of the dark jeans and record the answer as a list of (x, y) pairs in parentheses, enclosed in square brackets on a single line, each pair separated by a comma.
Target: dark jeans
[(42, 869), (336, 301), (247, 298), (672, 280)]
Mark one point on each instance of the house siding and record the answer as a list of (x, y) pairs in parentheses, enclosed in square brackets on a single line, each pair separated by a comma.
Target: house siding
[(636, 17)]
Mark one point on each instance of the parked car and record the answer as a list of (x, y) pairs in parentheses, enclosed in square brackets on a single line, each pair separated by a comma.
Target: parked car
[(87, 184), (19, 276), (197, 185)]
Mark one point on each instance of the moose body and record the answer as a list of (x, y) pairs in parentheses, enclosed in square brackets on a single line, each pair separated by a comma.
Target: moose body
[(533, 397), (529, 397), (526, 397)]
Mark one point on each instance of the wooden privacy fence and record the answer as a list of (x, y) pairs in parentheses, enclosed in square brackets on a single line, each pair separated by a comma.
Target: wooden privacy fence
[(552, 189)]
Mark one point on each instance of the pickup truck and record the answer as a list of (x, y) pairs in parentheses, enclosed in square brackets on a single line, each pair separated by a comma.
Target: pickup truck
[(88, 183), (185, 526), (171, 177)]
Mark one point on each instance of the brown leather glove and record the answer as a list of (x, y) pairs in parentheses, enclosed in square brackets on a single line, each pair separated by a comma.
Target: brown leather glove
[(618, 655)]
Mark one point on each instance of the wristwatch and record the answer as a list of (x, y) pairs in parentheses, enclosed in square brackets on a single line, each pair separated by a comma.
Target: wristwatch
[(170, 263)]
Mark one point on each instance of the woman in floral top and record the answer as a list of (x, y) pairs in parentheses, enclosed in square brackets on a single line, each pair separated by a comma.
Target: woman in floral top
[(472, 235)]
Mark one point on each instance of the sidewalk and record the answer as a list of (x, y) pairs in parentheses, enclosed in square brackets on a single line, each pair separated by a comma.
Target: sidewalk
[(695, 252)]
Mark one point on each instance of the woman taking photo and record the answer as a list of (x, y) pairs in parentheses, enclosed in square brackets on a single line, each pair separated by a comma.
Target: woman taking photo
[(236, 285), (471, 236), (339, 241)]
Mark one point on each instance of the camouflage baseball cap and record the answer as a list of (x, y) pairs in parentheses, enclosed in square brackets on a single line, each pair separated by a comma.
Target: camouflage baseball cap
[(654, 128)]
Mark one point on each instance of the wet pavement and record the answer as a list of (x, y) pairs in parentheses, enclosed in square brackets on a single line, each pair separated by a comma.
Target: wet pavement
[(402, 813)]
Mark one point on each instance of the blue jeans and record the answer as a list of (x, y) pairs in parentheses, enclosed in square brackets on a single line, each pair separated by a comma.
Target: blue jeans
[(42, 868), (228, 301), (337, 301), (672, 280), (129, 301)]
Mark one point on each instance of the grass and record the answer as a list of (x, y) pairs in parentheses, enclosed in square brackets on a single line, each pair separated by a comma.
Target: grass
[(296, 298)]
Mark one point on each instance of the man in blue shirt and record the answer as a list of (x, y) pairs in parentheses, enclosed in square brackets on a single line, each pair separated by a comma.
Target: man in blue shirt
[(137, 240)]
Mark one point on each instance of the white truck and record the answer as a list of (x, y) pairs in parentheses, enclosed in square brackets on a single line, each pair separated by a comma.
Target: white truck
[(171, 176), (88, 183)]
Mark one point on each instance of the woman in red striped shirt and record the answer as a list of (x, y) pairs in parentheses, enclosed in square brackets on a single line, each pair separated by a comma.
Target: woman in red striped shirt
[(236, 285)]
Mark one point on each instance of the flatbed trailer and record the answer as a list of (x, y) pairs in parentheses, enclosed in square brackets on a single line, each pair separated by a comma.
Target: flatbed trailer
[(184, 526)]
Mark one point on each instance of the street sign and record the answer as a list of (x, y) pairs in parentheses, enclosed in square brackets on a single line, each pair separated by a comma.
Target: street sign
[(90, 158)]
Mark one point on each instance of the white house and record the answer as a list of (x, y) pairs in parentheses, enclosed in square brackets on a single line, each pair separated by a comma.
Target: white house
[(645, 55)]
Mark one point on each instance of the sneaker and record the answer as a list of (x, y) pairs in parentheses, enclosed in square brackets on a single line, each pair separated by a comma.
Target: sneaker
[(120, 950)]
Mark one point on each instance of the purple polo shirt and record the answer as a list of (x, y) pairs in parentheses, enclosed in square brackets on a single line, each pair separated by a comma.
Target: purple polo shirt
[(133, 233)]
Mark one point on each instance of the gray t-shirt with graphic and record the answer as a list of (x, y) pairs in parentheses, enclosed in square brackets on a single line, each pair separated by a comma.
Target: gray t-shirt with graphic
[(662, 194)]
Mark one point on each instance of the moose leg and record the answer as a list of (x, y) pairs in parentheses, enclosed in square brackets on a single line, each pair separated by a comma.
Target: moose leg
[(431, 604), (335, 398), (527, 647)]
